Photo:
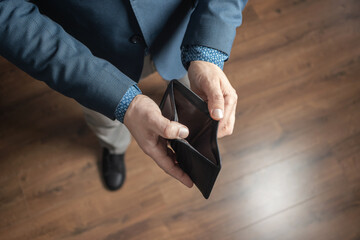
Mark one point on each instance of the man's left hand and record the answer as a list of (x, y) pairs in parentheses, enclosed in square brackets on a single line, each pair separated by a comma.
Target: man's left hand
[(211, 84)]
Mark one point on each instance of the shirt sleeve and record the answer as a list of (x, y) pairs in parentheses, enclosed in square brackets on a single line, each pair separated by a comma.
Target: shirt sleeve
[(202, 53), (124, 104)]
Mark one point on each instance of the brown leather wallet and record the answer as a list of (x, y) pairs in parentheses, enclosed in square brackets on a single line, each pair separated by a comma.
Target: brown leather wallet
[(197, 155)]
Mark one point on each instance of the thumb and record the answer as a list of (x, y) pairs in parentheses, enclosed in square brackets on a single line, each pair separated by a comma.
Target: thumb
[(170, 129), (215, 102)]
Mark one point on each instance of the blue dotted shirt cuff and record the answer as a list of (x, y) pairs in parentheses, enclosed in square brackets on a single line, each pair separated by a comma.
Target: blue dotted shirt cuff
[(196, 53), (121, 108)]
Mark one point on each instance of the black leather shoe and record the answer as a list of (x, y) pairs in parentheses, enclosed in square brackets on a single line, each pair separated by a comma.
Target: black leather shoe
[(113, 170)]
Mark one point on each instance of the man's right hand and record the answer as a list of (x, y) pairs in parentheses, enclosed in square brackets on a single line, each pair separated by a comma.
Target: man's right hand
[(150, 129)]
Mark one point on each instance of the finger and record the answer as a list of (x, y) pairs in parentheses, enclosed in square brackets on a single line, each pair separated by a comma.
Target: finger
[(167, 163), (169, 129), (226, 125), (215, 99)]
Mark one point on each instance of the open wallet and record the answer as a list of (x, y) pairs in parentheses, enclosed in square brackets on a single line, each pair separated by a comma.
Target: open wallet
[(198, 154)]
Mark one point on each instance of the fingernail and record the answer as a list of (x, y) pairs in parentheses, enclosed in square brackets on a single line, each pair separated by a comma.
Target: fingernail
[(218, 113), (183, 132)]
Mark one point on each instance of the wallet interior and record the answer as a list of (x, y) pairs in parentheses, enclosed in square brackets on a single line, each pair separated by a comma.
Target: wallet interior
[(198, 154), (191, 111)]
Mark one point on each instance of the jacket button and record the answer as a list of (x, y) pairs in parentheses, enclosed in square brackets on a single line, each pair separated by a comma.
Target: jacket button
[(136, 38)]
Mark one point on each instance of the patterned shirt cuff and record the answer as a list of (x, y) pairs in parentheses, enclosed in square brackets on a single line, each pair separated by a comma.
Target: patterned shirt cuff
[(196, 52), (121, 108)]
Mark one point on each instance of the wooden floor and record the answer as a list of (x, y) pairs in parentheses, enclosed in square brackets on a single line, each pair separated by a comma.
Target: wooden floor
[(291, 170)]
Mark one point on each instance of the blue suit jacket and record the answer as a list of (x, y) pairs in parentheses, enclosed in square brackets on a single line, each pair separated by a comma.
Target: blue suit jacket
[(93, 50)]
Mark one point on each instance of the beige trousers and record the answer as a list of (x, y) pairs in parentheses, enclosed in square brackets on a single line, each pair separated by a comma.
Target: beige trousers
[(112, 134)]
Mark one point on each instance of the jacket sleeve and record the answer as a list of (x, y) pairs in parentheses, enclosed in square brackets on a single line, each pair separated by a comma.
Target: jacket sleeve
[(41, 48), (213, 24)]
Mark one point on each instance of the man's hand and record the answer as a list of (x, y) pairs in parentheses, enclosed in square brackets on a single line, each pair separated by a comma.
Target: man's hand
[(144, 120), (210, 83)]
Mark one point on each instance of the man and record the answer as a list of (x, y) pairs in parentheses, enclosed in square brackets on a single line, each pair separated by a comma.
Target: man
[(96, 52)]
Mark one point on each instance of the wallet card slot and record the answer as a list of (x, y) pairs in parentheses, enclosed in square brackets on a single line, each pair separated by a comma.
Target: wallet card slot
[(183, 141), (201, 171)]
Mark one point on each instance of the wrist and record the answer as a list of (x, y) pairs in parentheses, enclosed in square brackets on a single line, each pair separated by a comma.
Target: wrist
[(132, 108), (199, 63)]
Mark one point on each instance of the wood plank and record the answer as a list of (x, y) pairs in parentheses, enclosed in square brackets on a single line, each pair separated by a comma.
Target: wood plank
[(332, 215), (13, 206)]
